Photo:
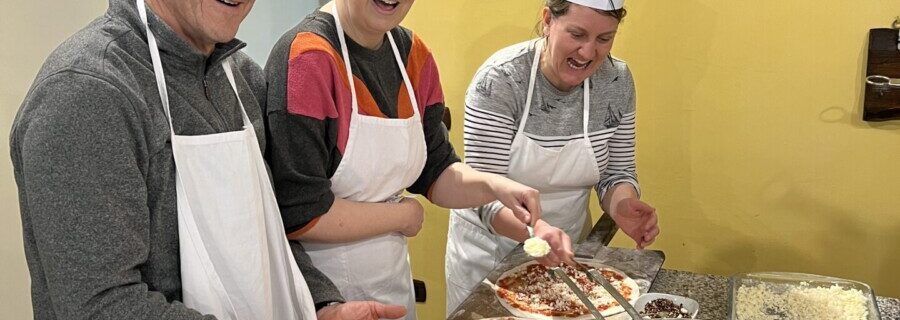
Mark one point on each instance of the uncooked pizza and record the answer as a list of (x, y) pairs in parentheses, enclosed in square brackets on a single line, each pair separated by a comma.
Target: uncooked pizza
[(529, 291)]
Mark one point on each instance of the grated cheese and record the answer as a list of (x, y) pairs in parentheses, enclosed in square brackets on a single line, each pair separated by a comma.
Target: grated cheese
[(764, 302), (536, 247)]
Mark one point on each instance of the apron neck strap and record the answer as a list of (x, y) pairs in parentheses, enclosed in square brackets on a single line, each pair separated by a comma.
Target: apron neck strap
[(226, 64), (161, 77), (587, 106), (157, 65), (535, 65), (346, 55), (409, 88)]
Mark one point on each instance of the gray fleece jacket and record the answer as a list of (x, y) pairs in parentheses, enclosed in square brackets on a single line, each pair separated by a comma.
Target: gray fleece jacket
[(95, 174)]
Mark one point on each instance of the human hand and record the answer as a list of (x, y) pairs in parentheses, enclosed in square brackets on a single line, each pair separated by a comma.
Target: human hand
[(360, 310), (414, 216), (524, 201), (560, 244), (638, 220)]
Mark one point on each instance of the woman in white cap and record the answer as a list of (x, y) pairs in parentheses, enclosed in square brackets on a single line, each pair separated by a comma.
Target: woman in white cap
[(555, 113)]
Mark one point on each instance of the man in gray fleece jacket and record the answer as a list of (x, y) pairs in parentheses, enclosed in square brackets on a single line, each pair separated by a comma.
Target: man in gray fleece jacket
[(94, 167)]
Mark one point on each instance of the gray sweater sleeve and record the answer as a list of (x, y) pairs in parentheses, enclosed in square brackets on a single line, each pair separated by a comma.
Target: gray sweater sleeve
[(321, 288), (84, 194)]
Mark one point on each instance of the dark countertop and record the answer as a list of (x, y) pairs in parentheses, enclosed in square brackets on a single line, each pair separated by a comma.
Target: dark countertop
[(711, 291)]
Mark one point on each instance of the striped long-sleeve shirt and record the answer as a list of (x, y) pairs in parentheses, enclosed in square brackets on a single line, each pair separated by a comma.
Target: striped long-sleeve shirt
[(495, 102)]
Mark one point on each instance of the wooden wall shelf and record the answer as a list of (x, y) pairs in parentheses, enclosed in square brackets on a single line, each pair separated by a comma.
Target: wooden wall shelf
[(882, 95)]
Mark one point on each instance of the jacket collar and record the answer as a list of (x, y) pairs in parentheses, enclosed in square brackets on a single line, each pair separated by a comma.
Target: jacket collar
[(176, 51)]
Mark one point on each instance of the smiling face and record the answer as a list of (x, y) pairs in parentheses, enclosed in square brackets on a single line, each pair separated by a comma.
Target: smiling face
[(577, 43), (371, 19), (203, 23)]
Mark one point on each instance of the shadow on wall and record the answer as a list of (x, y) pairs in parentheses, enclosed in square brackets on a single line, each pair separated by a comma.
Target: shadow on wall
[(836, 238), (476, 54), (673, 92), (669, 108), (848, 243), (840, 115), (470, 60), (739, 249), (736, 252)]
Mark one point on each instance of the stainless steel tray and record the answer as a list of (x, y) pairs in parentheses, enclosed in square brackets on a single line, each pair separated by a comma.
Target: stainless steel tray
[(787, 293)]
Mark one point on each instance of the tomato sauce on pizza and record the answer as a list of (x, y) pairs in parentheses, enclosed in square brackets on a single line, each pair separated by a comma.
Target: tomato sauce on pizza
[(531, 290)]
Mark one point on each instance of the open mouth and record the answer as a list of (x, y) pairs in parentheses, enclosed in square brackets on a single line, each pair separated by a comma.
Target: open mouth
[(385, 5), (577, 64), (229, 3)]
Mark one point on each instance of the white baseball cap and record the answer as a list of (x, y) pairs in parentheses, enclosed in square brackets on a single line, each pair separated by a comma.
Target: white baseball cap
[(605, 5)]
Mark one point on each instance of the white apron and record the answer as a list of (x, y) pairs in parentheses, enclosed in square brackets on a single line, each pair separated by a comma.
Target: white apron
[(235, 259), (564, 178), (382, 158)]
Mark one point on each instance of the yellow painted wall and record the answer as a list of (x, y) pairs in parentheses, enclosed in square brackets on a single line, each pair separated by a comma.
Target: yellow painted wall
[(750, 142)]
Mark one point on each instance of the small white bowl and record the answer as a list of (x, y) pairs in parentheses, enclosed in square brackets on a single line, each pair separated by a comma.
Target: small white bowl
[(690, 304)]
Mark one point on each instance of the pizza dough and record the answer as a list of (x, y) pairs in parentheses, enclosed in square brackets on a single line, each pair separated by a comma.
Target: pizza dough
[(529, 291)]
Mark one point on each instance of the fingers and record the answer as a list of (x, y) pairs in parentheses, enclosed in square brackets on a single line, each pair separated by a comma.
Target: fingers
[(550, 260), (568, 259), (650, 237), (524, 201), (329, 312), (388, 311), (413, 229), (522, 214), (415, 219), (560, 244), (651, 230), (532, 203), (637, 219), (565, 252), (652, 220), (562, 247), (528, 209)]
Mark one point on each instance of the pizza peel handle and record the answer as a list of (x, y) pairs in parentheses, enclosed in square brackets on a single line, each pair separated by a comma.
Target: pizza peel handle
[(558, 272), (595, 276)]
